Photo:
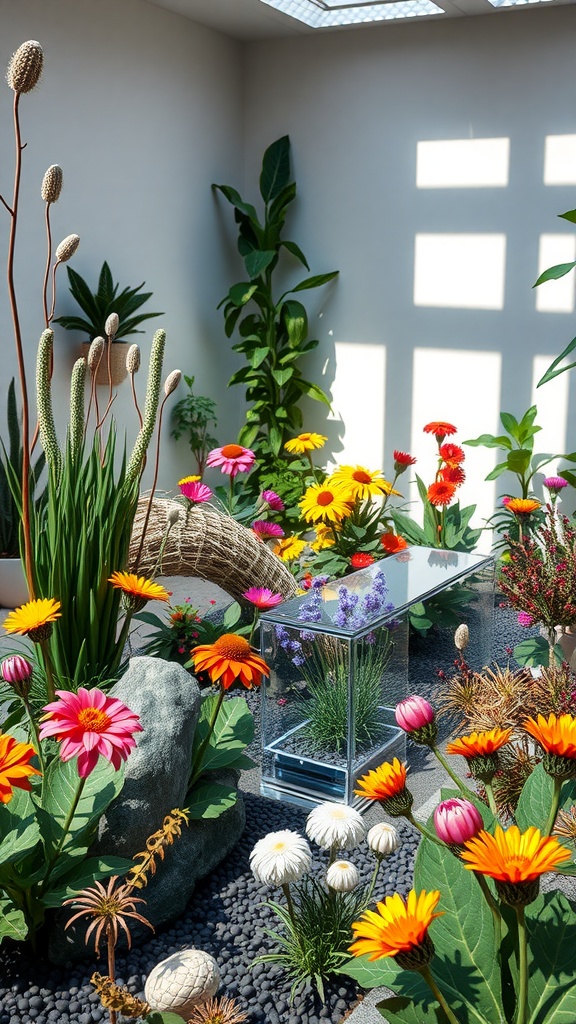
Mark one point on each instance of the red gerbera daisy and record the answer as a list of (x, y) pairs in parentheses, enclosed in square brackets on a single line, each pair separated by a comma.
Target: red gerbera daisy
[(392, 543), (452, 475), (452, 454), (440, 428), (441, 493), (403, 458), (360, 559)]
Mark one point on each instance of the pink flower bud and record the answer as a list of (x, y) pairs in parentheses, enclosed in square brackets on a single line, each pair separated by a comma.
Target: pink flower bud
[(414, 713), (16, 669), (457, 820)]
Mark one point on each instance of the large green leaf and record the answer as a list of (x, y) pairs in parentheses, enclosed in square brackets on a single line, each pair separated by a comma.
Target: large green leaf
[(19, 831), (275, 173), (209, 799), (233, 731), (12, 922), (314, 282), (257, 261), (536, 799), (466, 962), (556, 366), (554, 273), (551, 924), (82, 875), (59, 790), (412, 1002)]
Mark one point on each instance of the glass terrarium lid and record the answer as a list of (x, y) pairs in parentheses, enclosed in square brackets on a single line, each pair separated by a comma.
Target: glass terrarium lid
[(378, 593)]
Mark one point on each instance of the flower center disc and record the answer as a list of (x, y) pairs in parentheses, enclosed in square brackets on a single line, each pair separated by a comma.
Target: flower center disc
[(232, 646), (93, 720), (232, 451), (325, 498), (361, 477)]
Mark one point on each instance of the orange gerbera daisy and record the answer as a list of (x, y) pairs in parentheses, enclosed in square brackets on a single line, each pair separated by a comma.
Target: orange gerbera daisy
[(440, 428), (228, 659), (392, 543), (15, 767), (478, 744), (34, 619), (556, 735), (441, 493), (522, 506), (396, 926), (329, 503), (138, 589), (452, 454), (513, 856), (383, 782)]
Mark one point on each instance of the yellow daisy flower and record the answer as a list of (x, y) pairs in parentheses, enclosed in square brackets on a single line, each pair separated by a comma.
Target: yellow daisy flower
[(289, 548), (324, 537), (34, 619), (137, 589), (325, 503), (305, 443), (362, 483)]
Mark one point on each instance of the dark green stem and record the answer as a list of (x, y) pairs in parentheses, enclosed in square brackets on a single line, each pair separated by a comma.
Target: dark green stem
[(554, 807), (522, 967), (423, 831), (496, 915), (491, 799), (427, 975), (461, 785), (65, 831), (50, 689), (379, 859), (290, 905), (35, 734)]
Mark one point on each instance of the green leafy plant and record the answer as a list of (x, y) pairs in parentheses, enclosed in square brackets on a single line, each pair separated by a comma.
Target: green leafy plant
[(193, 416), (554, 274), (273, 328), (174, 637), (97, 306), (10, 474), (222, 735)]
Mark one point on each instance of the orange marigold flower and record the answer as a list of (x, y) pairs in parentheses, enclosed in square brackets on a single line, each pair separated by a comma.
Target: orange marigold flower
[(228, 659), (15, 767), (556, 735), (513, 856), (478, 744), (392, 543), (522, 506), (441, 493), (440, 428), (452, 475), (383, 782), (452, 454), (396, 926)]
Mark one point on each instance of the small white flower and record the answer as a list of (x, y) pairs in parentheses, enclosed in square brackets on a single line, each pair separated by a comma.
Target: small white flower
[(383, 839), (335, 825), (342, 876), (280, 857)]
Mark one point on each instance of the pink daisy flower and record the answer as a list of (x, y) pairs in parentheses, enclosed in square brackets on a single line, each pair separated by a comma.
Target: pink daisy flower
[(273, 500), (89, 723), (262, 598), (267, 531), (195, 491), (232, 459)]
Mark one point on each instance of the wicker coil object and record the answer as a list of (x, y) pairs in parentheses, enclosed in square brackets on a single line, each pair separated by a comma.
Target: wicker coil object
[(207, 544)]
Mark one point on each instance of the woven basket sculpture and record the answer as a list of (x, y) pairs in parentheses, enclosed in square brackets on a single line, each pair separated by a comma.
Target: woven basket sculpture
[(207, 544)]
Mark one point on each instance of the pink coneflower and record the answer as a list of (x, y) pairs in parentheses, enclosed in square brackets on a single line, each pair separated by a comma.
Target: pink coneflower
[(525, 619), (273, 500), (232, 459), (89, 723), (555, 483), (195, 491), (262, 598), (267, 531)]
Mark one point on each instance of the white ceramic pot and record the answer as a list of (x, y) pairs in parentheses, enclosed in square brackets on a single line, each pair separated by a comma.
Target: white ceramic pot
[(13, 589)]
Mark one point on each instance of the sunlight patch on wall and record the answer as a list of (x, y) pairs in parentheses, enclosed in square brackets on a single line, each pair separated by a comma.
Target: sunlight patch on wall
[(460, 271), (552, 402), (358, 401), (560, 160), (556, 296), (444, 381), (463, 163)]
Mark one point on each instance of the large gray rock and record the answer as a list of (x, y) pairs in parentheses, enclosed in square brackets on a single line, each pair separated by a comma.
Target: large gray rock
[(167, 699)]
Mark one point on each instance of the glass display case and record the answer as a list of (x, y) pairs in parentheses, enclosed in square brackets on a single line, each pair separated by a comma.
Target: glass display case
[(339, 664)]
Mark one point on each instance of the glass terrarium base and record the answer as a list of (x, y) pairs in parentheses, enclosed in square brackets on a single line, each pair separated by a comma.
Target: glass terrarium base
[(306, 780)]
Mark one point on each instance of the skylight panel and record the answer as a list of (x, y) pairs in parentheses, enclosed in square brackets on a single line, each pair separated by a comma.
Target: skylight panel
[(325, 13)]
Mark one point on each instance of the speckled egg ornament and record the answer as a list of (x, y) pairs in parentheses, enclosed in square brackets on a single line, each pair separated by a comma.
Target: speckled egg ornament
[(182, 981)]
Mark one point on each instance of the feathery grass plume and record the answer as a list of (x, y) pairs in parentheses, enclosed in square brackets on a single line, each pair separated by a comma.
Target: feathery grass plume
[(172, 381), (25, 66), (111, 325), (52, 184), (95, 353), (138, 876), (133, 359), (77, 384), (150, 408), (67, 248), (115, 997), (44, 398)]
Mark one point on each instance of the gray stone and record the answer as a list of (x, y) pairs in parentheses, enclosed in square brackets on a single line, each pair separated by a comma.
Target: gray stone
[(168, 700)]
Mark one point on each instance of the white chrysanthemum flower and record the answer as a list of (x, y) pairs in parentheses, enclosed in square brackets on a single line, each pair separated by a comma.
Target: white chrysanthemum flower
[(335, 825), (342, 876), (383, 839), (280, 857)]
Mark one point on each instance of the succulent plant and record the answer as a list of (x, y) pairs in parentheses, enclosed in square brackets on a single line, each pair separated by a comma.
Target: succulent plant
[(99, 305)]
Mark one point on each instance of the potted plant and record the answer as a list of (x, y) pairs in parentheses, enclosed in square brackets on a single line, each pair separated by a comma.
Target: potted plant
[(97, 307)]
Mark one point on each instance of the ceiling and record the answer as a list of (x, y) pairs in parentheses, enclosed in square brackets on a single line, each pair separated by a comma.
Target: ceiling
[(254, 19)]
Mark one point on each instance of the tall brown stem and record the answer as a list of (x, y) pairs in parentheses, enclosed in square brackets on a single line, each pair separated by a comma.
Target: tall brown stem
[(153, 488), (28, 561), (111, 964)]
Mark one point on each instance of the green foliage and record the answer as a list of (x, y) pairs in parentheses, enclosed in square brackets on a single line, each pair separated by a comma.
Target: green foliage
[(10, 481), (227, 741), (97, 306), (554, 274), (192, 416), (535, 650), (273, 328), (185, 628), (446, 528), (44, 852)]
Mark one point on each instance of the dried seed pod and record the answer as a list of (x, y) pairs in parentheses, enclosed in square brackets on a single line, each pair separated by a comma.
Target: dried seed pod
[(67, 248), (462, 637), (111, 325), (52, 184), (173, 516), (172, 381), (133, 359), (25, 66), (95, 353)]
